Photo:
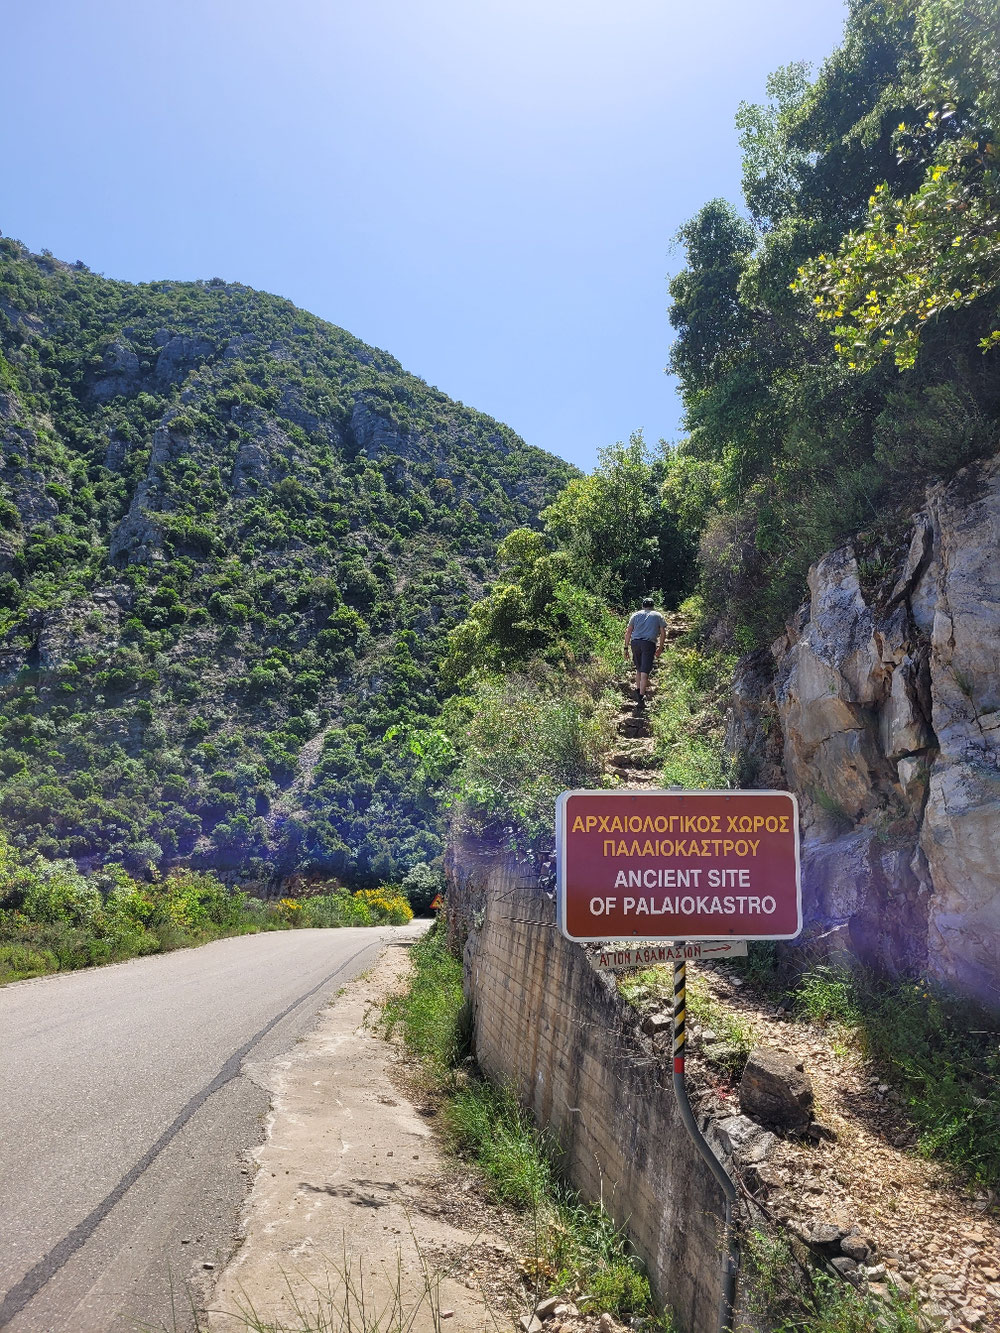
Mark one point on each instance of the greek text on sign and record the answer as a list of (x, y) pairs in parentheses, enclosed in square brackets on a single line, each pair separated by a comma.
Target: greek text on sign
[(678, 865), (648, 955)]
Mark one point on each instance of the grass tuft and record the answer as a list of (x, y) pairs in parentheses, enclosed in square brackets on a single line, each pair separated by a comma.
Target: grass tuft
[(487, 1123), (827, 995), (432, 1012)]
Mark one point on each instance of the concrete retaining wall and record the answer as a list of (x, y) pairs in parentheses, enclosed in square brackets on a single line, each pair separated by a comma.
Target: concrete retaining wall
[(546, 1021)]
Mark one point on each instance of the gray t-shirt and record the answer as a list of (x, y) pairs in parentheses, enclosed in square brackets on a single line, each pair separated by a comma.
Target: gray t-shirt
[(646, 625)]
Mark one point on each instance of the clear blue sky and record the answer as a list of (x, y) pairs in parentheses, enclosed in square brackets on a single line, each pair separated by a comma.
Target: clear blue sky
[(486, 188)]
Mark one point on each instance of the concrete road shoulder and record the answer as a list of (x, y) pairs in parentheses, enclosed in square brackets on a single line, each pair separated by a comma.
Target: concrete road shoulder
[(336, 1201)]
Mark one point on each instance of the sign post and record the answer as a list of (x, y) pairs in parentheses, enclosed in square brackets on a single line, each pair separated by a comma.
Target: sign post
[(681, 866)]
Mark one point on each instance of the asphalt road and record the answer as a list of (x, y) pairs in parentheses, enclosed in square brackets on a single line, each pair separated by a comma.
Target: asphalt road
[(129, 1098)]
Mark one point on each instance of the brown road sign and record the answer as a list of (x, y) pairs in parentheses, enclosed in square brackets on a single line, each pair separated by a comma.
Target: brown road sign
[(679, 865)]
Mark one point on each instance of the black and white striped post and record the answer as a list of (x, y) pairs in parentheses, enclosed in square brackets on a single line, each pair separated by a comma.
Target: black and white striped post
[(729, 1256)]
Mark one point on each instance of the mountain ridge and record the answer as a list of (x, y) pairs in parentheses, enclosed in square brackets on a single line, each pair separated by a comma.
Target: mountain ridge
[(227, 528)]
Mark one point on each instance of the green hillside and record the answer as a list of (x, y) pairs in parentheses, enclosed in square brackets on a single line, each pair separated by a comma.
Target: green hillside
[(233, 540)]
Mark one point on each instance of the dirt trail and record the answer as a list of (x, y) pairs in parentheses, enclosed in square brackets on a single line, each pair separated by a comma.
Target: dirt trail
[(632, 761), (930, 1233), (350, 1180)]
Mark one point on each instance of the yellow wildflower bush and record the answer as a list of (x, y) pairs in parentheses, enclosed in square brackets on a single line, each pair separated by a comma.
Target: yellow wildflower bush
[(386, 905), (287, 910)]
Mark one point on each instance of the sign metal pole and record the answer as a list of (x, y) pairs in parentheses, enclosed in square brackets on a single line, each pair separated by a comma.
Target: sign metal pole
[(705, 869), (729, 1256)]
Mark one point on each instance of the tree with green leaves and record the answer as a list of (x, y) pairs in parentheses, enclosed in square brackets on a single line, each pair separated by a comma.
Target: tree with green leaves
[(618, 537), (921, 255), (797, 438)]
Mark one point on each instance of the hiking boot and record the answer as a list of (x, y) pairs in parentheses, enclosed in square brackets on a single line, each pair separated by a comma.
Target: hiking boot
[(641, 705)]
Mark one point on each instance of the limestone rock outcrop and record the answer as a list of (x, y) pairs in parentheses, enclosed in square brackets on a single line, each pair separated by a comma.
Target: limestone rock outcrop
[(887, 705), (776, 1092)]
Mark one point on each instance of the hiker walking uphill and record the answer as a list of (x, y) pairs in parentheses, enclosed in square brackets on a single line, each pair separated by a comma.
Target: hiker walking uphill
[(646, 635)]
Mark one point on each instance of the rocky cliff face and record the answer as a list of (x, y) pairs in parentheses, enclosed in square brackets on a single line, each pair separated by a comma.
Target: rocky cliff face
[(881, 710)]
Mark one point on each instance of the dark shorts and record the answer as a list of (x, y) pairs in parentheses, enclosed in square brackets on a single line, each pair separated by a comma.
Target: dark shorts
[(643, 652)]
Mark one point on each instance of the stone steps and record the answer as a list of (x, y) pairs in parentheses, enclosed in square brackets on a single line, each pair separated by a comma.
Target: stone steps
[(633, 727), (634, 777), (633, 762), (633, 756)]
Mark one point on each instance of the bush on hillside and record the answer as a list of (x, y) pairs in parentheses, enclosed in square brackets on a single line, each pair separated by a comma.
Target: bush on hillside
[(520, 741), (421, 885)]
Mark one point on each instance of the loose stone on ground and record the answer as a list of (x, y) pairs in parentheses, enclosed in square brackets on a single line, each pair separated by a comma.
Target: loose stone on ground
[(857, 1189)]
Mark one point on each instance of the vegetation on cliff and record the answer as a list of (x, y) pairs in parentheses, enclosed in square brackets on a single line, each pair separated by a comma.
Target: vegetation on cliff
[(871, 197)]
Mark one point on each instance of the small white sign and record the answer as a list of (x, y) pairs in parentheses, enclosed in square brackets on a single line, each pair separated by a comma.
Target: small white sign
[(648, 955)]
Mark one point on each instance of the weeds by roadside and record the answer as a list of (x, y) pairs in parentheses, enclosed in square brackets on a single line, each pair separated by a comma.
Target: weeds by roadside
[(347, 1302), (54, 918), (486, 1124), (432, 1013), (579, 1252)]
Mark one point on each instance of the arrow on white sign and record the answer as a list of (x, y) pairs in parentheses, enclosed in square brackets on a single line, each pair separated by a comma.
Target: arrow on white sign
[(647, 955)]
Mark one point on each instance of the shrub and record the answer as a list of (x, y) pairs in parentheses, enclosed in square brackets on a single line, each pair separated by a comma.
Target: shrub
[(58, 892), (386, 906), (125, 941), (128, 903), (18, 962), (74, 947), (523, 740), (356, 912), (328, 910), (421, 885), (190, 900), (688, 717), (289, 911)]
